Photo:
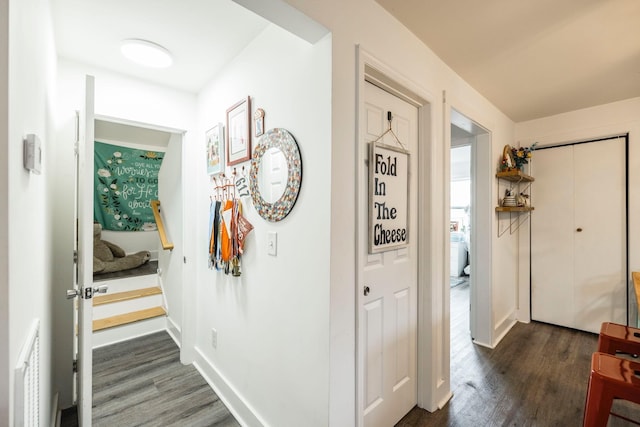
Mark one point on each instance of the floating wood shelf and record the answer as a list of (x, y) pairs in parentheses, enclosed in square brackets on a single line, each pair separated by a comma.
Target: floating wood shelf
[(515, 175), (126, 296), (514, 208), (123, 319)]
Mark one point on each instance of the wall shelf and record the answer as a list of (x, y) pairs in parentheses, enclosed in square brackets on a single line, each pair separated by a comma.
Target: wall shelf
[(514, 208), (515, 177)]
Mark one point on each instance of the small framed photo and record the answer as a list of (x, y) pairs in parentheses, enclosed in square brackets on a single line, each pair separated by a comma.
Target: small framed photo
[(239, 132), (258, 118), (215, 149)]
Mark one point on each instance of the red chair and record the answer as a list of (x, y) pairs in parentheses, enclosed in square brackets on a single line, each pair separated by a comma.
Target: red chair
[(618, 338), (611, 378)]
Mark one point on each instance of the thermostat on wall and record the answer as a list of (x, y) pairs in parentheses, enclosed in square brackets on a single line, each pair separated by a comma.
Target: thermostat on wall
[(32, 153)]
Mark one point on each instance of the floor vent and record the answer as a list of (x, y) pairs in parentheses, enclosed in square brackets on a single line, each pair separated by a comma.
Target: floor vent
[(27, 381)]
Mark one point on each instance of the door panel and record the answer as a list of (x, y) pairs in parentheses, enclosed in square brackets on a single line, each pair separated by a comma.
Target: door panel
[(599, 248), (374, 369), (552, 236), (388, 313)]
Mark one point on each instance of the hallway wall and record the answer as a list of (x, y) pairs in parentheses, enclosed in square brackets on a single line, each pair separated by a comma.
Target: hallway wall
[(364, 23), (4, 211), (31, 77), (273, 321)]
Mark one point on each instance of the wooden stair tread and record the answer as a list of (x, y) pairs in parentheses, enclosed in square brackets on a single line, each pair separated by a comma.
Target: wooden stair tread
[(125, 296), (123, 319)]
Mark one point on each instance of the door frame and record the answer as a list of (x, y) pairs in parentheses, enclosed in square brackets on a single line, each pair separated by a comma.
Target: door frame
[(173, 329), (433, 352), (480, 258)]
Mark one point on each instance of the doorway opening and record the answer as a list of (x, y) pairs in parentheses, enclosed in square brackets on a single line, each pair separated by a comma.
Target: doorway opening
[(149, 168), (134, 165), (469, 230)]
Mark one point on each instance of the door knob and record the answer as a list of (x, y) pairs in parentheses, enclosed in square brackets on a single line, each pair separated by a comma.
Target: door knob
[(72, 293), (366, 291), (579, 230)]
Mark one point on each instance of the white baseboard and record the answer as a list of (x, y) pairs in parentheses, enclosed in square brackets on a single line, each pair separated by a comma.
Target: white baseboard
[(174, 331), (503, 329), (238, 407)]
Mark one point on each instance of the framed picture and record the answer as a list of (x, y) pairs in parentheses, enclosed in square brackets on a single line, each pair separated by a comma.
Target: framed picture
[(239, 132), (215, 149), (258, 118)]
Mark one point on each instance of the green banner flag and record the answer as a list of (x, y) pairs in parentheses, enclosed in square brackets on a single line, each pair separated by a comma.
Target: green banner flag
[(125, 183)]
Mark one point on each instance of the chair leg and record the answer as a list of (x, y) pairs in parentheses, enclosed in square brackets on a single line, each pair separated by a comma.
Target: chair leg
[(598, 403)]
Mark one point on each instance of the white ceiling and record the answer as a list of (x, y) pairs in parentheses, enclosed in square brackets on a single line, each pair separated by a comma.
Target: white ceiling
[(533, 58), (202, 35)]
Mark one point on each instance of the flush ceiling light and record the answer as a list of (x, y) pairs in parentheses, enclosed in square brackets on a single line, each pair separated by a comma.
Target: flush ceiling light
[(146, 53)]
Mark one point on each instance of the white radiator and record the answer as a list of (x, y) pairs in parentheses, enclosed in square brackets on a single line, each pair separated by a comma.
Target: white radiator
[(27, 381)]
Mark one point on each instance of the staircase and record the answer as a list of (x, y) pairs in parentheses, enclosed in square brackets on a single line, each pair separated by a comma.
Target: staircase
[(133, 306)]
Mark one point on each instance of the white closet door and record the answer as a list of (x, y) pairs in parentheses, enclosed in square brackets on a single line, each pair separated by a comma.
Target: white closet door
[(578, 255), (600, 248), (552, 233)]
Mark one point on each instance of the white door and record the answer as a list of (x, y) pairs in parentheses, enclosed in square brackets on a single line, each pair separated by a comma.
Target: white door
[(578, 235), (84, 287), (387, 315)]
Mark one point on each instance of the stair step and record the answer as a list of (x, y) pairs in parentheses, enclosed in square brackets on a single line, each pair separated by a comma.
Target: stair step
[(126, 296), (123, 319)]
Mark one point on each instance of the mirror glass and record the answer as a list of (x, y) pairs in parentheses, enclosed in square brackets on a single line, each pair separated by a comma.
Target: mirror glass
[(272, 179), (276, 174)]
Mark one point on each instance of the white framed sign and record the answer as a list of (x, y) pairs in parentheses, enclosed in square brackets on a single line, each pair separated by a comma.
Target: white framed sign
[(388, 197)]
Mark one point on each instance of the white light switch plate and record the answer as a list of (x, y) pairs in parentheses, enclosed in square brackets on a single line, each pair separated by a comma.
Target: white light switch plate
[(272, 243)]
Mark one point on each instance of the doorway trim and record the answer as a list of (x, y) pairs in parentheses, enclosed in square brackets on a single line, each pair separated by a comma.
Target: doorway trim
[(177, 332), (481, 321), (433, 352)]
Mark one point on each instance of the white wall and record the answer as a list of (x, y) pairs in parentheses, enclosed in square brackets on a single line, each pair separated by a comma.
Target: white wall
[(364, 22), (4, 211), (31, 95), (273, 321), (172, 208), (590, 123), (118, 97)]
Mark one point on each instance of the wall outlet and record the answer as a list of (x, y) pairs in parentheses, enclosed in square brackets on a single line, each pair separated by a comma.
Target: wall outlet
[(214, 338)]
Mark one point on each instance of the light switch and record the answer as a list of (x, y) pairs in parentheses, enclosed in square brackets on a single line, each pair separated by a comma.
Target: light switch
[(272, 243)]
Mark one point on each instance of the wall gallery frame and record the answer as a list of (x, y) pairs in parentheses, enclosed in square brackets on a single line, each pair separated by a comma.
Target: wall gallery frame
[(239, 132), (215, 149), (258, 118)]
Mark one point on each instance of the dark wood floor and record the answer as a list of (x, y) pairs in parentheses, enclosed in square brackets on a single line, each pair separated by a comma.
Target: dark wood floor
[(537, 376)]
